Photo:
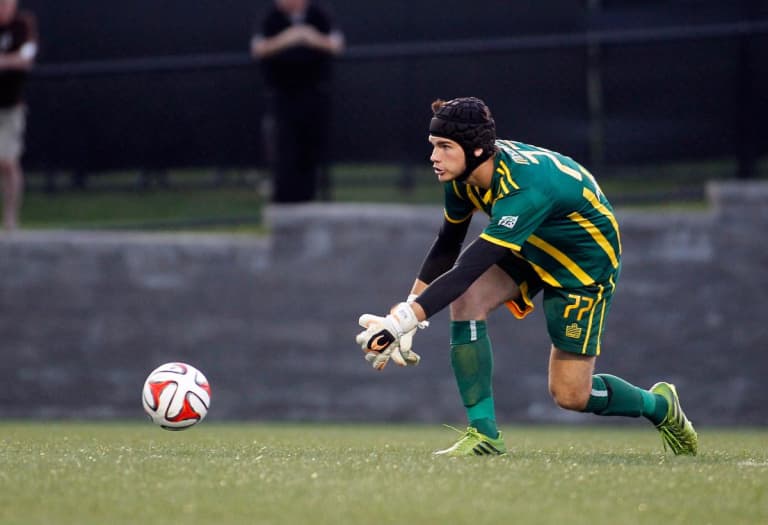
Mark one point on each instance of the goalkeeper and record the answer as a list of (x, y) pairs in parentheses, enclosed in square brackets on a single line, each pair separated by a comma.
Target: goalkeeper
[(551, 230)]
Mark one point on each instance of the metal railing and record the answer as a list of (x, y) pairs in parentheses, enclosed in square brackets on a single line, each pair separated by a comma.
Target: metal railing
[(207, 61)]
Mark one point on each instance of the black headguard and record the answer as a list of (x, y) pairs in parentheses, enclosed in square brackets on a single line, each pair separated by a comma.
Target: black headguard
[(468, 121)]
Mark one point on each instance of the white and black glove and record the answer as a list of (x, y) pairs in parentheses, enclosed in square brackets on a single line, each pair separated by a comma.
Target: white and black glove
[(404, 355), (383, 336)]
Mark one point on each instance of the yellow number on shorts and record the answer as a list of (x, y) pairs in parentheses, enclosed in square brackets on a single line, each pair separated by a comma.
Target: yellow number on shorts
[(577, 301)]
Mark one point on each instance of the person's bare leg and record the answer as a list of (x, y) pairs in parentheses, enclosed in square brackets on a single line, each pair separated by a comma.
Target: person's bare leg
[(574, 387), (570, 378), (12, 188)]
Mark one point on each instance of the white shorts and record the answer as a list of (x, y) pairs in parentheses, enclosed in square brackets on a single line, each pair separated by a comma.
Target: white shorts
[(12, 124)]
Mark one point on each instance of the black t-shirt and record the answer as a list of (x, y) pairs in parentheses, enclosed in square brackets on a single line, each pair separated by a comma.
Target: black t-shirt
[(16, 33), (297, 67)]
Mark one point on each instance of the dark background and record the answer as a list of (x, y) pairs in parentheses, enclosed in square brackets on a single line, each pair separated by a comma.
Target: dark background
[(153, 84)]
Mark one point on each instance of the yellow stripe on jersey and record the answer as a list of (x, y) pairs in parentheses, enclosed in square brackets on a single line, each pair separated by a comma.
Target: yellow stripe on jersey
[(545, 275), (505, 171), (473, 198), (456, 190), (602, 314), (504, 189), (562, 258), (599, 206), (494, 240), (542, 273), (455, 221), (487, 196), (597, 235), (589, 323)]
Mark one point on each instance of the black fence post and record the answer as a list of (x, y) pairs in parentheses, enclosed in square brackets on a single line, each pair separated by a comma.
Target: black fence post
[(594, 79), (746, 122)]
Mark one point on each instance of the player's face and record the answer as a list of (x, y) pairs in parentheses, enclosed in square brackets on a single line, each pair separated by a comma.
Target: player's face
[(447, 158)]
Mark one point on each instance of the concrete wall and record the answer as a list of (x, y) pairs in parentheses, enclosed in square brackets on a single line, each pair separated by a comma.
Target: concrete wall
[(84, 316)]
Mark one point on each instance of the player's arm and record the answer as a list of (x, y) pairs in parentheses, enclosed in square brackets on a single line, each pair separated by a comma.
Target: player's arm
[(384, 335), (297, 35), (476, 259), (332, 43), (443, 253), (440, 258), (266, 46), (528, 206), (24, 57)]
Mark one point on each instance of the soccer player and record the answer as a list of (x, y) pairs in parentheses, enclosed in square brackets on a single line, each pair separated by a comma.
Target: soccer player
[(551, 230)]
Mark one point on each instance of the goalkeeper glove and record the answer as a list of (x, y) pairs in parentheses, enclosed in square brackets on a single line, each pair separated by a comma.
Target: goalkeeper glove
[(382, 336), (404, 355)]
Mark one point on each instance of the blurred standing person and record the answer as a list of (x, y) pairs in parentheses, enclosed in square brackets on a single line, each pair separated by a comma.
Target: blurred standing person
[(18, 49), (295, 46)]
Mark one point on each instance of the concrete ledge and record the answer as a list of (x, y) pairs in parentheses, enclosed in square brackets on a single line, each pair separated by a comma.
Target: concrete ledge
[(271, 320), (737, 193)]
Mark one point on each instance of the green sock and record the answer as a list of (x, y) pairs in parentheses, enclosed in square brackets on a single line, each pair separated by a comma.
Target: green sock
[(655, 407), (612, 396), (472, 362)]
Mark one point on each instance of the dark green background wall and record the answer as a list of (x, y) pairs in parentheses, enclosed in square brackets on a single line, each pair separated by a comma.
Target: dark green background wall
[(154, 84)]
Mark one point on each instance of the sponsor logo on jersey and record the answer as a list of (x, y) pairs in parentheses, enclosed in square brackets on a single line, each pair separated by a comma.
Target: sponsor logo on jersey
[(508, 221)]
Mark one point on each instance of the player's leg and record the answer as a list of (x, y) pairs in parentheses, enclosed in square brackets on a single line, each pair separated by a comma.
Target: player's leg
[(570, 378), (472, 353), (575, 322), (471, 350), (307, 128), (319, 114), (472, 361), (12, 123), (287, 183), (574, 386), (13, 189)]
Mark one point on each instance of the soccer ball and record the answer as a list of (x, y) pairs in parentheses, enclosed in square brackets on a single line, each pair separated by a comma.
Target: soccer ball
[(176, 396)]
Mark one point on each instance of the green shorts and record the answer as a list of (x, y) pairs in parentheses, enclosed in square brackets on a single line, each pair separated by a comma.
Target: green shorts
[(575, 317)]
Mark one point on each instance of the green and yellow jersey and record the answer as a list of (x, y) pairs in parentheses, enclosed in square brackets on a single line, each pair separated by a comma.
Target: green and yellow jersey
[(548, 209)]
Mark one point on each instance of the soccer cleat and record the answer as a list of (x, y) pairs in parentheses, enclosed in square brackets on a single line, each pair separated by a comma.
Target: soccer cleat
[(473, 443), (676, 430)]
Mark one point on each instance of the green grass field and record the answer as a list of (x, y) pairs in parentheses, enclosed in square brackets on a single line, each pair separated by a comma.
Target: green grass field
[(135, 473), (231, 209)]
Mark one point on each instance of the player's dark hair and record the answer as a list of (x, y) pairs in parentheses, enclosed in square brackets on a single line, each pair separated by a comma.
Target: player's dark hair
[(467, 121)]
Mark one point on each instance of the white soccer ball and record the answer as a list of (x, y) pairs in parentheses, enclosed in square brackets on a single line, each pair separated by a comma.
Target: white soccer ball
[(176, 396)]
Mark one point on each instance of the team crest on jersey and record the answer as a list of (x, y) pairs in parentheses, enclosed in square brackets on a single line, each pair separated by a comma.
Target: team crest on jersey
[(508, 221)]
